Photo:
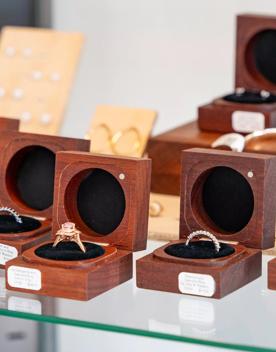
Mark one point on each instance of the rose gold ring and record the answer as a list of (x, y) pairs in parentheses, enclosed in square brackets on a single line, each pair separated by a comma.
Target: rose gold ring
[(69, 233)]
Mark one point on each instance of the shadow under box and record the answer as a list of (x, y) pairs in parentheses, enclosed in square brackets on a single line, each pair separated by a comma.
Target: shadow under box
[(108, 199), (27, 188), (253, 104), (229, 195)]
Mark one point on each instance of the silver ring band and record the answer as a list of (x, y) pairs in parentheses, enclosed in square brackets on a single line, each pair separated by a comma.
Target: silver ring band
[(12, 212), (206, 234)]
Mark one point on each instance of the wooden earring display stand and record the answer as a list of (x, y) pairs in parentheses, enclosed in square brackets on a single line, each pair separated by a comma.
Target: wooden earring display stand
[(37, 67), (27, 186), (107, 198), (228, 194), (121, 131)]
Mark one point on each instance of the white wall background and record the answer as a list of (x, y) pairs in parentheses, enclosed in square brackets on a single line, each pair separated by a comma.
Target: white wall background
[(168, 55)]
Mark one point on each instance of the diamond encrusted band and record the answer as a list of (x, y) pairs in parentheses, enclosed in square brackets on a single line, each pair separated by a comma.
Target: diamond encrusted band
[(204, 233), (12, 212)]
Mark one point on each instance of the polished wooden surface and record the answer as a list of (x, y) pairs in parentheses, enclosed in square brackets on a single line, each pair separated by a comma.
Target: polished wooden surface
[(86, 279), (131, 234), (80, 280), (165, 150), (217, 116), (12, 142), (260, 230), (160, 271)]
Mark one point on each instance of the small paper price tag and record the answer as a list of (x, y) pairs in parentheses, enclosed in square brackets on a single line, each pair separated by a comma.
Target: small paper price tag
[(196, 284), (247, 121), (26, 278), (7, 253)]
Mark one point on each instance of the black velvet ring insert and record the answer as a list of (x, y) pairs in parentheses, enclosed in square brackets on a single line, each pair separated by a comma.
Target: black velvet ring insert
[(8, 224), (227, 199), (250, 97), (101, 201), (264, 54), (199, 250), (68, 251), (30, 177)]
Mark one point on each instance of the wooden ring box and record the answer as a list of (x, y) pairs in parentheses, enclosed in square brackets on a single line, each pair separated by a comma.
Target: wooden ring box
[(7, 124), (255, 71), (127, 232), (238, 187), (27, 184)]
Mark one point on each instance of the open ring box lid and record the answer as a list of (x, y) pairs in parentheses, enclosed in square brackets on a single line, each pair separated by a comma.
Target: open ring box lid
[(107, 198), (255, 71), (27, 186), (230, 195)]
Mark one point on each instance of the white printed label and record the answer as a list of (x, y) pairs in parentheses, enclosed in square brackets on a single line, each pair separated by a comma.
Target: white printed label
[(7, 253), (27, 278), (196, 284), (22, 304), (197, 311), (247, 121)]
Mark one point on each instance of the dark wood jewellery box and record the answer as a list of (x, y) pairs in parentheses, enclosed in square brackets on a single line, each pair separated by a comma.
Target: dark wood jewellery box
[(253, 104), (27, 186), (7, 124), (107, 198), (230, 195)]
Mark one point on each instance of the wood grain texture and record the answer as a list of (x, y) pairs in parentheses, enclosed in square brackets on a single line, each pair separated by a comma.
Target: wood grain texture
[(160, 271), (271, 274), (8, 124), (260, 230), (217, 116), (83, 280), (121, 119), (80, 280), (165, 152), (11, 143), (131, 234), (247, 76), (37, 68)]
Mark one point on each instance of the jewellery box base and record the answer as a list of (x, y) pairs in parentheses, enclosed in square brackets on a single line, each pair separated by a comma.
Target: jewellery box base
[(13, 245), (225, 117), (77, 280), (271, 274), (217, 277)]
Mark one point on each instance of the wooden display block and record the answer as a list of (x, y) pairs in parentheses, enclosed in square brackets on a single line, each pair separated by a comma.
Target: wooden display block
[(227, 194), (37, 67), (8, 124), (107, 198), (120, 130), (255, 73), (165, 152), (27, 185)]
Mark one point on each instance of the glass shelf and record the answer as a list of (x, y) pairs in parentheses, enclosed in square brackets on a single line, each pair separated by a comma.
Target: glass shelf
[(243, 320)]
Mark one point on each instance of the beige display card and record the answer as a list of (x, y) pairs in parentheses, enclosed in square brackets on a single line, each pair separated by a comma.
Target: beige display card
[(164, 217), (36, 69), (120, 130)]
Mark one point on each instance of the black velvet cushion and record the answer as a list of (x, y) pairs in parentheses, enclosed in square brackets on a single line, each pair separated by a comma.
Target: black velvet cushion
[(69, 251), (8, 224), (199, 250), (101, 201), (35, 178), (250, 97), (264, 52), (227, 199)]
